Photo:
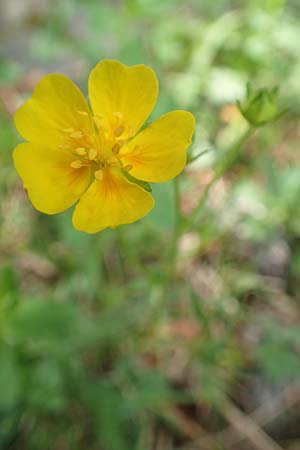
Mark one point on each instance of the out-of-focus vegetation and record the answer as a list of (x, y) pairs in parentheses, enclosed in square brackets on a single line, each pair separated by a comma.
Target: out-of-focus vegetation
[(104, 343)]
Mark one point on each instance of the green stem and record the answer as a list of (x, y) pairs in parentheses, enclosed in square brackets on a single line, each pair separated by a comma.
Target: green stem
[(228, 160), (170, 262), (122, 253), (194, 158), (177, 224)]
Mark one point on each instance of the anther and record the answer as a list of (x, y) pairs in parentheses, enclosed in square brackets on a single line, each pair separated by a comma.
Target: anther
[(118, 114), (86, 133), (69, 130), (130, 131), (76, 135), (80, 151), (128, 167), (116, 149), (82, 113), (118, 131), (92, 153), (98, 174), (76, 164), (136, 149)]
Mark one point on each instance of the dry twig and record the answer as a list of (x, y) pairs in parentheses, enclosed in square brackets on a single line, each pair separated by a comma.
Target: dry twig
[(247, 428)]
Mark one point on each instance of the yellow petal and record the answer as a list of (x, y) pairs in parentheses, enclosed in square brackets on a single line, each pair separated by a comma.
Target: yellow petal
[(110, 202), (53, 109), (121, 96), (158, 153), (52, 184)]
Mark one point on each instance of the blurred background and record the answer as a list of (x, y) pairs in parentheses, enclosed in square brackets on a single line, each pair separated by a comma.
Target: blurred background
[(100, 347)]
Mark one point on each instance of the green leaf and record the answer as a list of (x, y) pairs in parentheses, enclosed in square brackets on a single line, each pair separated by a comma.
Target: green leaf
[(109, 417), (43, 324), (45, 391), (10, 381)]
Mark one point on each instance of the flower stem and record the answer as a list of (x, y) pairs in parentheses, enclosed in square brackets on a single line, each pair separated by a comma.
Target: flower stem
[(181, 226), (228, 160), (170, 261), (177, 224)]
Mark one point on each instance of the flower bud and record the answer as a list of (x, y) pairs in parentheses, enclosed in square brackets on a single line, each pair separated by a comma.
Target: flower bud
[(260, 106)]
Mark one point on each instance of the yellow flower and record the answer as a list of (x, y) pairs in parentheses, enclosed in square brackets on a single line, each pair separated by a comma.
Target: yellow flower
[(98, 155)]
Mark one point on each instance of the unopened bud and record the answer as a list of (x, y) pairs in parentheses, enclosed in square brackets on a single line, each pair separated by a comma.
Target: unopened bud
[(261, 106)]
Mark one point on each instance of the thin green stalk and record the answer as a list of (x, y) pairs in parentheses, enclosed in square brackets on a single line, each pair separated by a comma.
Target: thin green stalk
[(170, 262), (176, 228), (225, 164), (194, 158), (122, 253)]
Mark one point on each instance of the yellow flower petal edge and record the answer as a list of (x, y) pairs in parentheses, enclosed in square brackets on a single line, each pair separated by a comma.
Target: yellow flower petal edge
[(158, 153), (56, 105), (111, 202), (121, 96), (52, 184), (95, 155)]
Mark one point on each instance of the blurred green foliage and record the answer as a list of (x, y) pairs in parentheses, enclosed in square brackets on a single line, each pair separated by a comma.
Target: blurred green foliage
[(99, 348)]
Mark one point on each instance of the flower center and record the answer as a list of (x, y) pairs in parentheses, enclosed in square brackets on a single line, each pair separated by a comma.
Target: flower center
[(97, 148)]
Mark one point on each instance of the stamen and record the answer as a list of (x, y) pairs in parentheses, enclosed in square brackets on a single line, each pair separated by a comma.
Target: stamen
[(116, 149), (113, 162), (97, 121), (80, 151), (98, 175), (76, 135), (76, 164), (118, 131), (130, 131), (82, 113), (92, 153), (69, 130), (128, 167), (118, 114)]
